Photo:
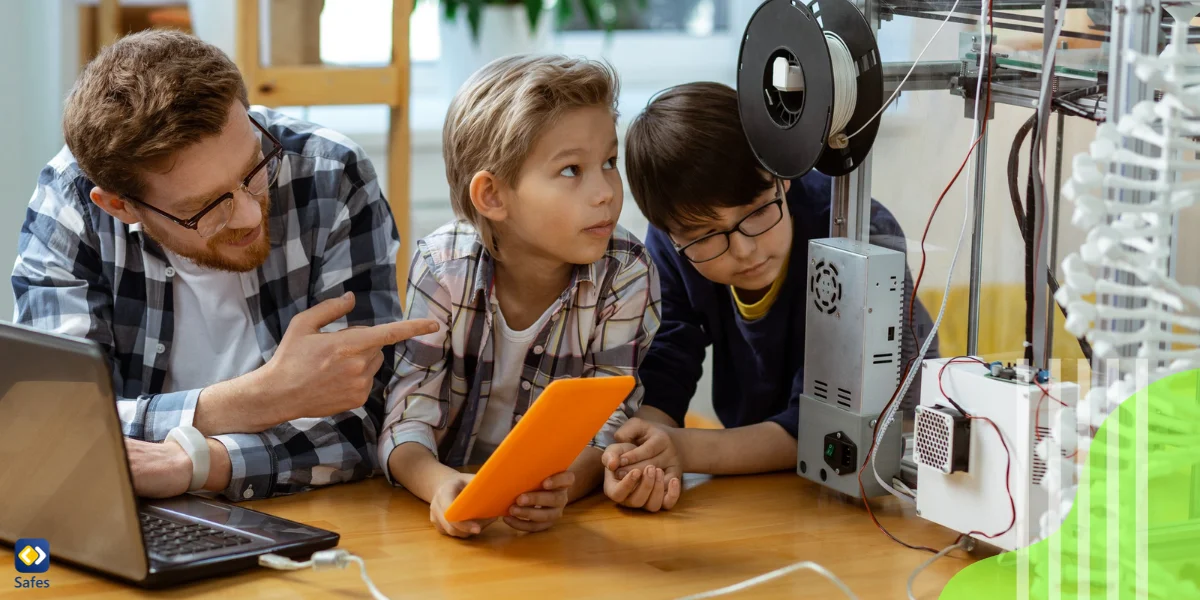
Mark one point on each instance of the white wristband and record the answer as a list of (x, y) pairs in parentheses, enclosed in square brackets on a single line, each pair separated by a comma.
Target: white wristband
[(196, 447)]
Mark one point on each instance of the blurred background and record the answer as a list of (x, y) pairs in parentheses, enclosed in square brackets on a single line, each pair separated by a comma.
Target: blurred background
[(384, 78)]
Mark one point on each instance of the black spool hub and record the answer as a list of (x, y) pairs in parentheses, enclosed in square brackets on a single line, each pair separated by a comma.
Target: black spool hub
[(789, 131)]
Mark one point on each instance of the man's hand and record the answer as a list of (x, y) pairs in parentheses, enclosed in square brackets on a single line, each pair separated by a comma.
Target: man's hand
[(159, 470), (538, 510), (646, 452), (330, 373), (442, 499)]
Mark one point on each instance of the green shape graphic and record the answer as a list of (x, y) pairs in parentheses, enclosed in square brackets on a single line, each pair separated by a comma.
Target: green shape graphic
[(1104, 540)]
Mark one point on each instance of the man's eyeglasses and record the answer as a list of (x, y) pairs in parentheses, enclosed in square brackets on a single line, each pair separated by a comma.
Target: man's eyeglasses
[(713, 245), (215, 216)]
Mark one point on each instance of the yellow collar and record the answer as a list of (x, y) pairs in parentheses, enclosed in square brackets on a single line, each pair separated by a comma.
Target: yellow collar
[(758, 310)]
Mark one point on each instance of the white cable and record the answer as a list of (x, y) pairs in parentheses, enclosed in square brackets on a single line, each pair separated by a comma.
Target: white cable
[(910, 71), (749, 583), (845, 82), (323, 560), (362, 570), (925, 565), (937, 323)]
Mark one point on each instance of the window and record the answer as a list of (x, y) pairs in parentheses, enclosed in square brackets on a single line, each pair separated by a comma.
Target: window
[(694, 17), (359, 32), (424, 39), (691, 37)]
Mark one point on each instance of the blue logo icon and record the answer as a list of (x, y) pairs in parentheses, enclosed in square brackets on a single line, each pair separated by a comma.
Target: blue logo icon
[(31, 555)]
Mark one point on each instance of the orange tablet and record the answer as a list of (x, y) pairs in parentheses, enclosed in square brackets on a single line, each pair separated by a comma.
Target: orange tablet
[(545, 441)]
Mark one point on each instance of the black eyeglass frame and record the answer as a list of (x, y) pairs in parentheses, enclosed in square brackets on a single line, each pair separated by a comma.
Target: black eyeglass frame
[(194, 222), (737, 228)]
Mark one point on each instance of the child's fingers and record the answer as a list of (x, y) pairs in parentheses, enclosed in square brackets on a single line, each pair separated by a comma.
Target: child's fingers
[(457, 530), (527, 526), (636, 466), (639, 496), (674, 489), (648, 450), (621, 491), (555, 498), (559, 481), (537, 515), (468, 527), (655, 501), (611, 459), (634, 430)]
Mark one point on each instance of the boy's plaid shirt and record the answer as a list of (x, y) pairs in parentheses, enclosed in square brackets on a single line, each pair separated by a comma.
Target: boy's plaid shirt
[(601, 325)]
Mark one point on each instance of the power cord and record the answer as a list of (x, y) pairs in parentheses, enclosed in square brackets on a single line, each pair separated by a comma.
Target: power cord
[(961, 543), (777, 573), (324, 560)]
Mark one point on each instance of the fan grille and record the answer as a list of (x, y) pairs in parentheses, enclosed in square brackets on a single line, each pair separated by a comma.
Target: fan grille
[(825, 287)]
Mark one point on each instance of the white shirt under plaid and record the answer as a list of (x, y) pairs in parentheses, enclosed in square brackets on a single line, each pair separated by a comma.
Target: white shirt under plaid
[(81, 272), (600, 326)]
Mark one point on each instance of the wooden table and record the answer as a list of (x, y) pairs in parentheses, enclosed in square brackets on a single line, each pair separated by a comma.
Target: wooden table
[(724, 530)]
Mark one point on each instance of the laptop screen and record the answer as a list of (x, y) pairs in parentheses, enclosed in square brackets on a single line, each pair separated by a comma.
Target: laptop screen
[(65, 475)]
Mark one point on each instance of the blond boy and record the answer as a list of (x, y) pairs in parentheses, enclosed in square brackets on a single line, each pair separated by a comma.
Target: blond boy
[(533, 282)]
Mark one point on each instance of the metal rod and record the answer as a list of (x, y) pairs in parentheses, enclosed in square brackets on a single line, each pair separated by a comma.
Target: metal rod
[(860, 192), (1055, 214), (971, 7), (1038, 203), (851, 214), (839, 215), (936, 75), (1135, 28), (977, 236), (999, 24)]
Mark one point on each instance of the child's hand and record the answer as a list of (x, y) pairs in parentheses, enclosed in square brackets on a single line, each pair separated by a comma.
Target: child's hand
[(641, 488), (538, 510), (442, 500), (646, 453)]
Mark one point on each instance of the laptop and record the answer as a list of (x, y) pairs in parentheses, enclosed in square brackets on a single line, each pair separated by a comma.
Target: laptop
[(65, 478)]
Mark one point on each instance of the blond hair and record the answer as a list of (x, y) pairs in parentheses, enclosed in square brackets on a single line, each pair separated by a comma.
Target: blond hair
[(144, 98), (498, 114)]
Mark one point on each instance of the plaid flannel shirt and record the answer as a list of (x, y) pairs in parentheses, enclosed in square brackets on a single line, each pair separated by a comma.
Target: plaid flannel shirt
[(601, 325), (81, 272)]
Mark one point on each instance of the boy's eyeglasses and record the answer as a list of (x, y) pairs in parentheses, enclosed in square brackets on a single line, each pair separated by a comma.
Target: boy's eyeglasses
[(713, 245), (215, 216)]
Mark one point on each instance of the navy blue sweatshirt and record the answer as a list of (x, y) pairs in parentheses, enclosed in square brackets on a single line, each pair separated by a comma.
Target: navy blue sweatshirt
[(758, 366)]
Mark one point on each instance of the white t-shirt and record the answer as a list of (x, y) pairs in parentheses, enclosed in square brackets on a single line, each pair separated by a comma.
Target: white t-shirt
[(509, 351), (214, 334)]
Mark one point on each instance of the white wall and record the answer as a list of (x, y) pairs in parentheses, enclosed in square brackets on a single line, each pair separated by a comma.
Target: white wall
[(39, 46)]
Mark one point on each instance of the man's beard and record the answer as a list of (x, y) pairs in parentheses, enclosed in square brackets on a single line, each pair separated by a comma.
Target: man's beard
[(249, 258)]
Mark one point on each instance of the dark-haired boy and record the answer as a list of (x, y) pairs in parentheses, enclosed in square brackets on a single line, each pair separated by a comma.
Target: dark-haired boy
[(731, 245)]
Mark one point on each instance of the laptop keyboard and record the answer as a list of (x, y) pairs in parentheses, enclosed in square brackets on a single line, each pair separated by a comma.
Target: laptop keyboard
[(169, 538)]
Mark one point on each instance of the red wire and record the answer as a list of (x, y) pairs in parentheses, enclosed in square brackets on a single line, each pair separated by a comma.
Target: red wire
[(958, 359), (1007, 483), (1008, 468), (936, 206), (862, 490), (982, 131)]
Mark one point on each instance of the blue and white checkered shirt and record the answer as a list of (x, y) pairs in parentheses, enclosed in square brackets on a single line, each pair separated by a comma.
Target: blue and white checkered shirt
[(81, 272)]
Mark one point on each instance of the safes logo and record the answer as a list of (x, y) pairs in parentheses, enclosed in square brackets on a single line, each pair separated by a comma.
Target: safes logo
[(31, 555)]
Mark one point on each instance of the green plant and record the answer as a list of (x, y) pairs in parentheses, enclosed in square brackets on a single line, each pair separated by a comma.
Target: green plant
[(599, 13)]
